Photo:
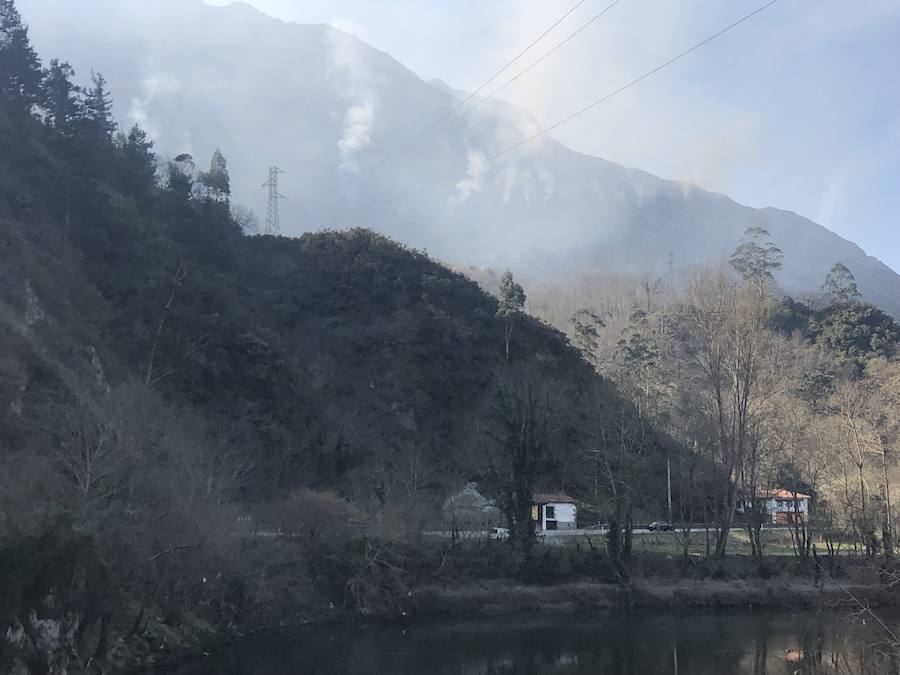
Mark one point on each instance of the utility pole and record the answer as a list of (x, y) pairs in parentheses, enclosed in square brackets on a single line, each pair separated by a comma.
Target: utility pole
[(273, 221)]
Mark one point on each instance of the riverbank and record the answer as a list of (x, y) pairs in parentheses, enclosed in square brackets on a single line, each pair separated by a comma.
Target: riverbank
[(498, 597), (651, 642), (507, 600), (281, 584)]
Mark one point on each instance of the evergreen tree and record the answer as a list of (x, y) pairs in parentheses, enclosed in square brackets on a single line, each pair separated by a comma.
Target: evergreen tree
[(138, 175), (179, 183), (586, 326), (60, 98), (216, 183), (637, 351), (840, 285), (512, 301), (857, 332), (20, 68), (98, 115), (756, 259)]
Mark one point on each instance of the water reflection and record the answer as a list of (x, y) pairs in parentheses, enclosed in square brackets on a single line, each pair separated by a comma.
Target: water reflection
[(750, 644)]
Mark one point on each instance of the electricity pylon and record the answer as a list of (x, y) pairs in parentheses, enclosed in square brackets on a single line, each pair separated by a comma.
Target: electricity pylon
[(273, 222)]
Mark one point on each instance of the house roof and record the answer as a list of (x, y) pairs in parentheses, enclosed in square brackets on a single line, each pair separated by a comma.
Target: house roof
[(552, 498), (784, 494)]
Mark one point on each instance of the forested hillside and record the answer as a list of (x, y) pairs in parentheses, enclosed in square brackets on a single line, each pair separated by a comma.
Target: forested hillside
[(169, 382), (204, 431), (771, 392), (328, 361)]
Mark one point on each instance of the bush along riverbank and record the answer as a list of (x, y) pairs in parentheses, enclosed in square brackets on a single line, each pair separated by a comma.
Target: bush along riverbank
[(63, 612)]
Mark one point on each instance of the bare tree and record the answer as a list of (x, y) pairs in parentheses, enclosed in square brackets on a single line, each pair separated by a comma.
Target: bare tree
[(728, 345), (175, 281), (850, 402), (94, 437)]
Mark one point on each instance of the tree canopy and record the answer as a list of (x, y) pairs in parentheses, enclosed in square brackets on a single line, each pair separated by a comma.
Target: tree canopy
[(216, 183), (510, 304), (20, 68), (757, 258), (840, 285)]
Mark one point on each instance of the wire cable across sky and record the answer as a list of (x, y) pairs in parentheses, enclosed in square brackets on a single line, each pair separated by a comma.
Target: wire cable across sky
[(451, 113), (582, 111), (543, 58), (633, 82)]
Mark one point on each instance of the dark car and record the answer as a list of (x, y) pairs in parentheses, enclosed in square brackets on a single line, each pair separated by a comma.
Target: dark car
[(661, 526)]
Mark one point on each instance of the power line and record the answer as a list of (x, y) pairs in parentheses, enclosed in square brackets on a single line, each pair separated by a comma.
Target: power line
[(493, 77), (539, 61), (434, 125), (583, 110), (635, 81), (427, 132)]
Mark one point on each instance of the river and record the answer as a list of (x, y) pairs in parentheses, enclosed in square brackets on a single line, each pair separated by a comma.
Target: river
[(810, 643)]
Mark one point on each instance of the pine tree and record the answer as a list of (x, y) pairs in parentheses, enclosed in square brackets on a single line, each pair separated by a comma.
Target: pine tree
[(20, 68), (179, 183), (60, 98), (216, 183), (98, 115), (586, 326), (138, 175)]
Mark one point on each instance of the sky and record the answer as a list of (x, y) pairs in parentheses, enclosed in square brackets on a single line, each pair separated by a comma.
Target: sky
[(798, 108)]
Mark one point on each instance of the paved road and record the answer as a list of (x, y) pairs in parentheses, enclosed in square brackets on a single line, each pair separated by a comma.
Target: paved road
[(678, 530), (587, 532)]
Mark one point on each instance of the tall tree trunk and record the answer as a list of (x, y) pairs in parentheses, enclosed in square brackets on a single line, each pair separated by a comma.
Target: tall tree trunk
[(726, 519), (507, 333), (888, 524), (706, 528)]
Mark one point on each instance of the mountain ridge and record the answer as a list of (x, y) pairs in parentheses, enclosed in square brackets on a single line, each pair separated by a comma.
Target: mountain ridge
[(323, 105)]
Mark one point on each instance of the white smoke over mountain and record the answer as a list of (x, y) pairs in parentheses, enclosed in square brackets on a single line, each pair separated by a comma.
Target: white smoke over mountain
[(349, 66), (154, 88), (476, 171), (320, 104), (357, 136)]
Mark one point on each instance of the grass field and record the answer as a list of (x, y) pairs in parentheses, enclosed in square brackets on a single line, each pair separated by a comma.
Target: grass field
[(776, 542)]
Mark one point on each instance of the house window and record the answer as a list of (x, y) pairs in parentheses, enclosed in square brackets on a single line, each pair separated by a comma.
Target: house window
[(551, 525), (550, 511)]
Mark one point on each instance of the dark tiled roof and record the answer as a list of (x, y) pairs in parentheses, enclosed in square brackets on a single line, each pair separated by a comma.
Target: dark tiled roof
[(552, 498)]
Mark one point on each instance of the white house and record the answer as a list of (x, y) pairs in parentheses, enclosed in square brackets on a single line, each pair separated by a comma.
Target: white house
[(781, 507), (786, 507), (553, 512)]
